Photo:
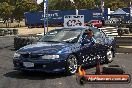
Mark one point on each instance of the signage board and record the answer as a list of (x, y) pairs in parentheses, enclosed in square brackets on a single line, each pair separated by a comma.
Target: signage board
[(73, 20)]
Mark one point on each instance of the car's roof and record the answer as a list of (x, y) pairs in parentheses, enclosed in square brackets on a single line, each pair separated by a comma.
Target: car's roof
[(75, 28), (82, 27)]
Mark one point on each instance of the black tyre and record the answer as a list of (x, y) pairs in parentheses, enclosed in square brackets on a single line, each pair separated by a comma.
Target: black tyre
[(109, 56), (82, 80), (11, 33), (5, 32), (72, 64), (1, 32), (130, 30), (15, 31), (126, 31), (16, 43), (120, 32), (114, 69)]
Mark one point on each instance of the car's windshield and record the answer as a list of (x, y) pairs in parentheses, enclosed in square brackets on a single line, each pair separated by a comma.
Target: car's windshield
[(62, 35)]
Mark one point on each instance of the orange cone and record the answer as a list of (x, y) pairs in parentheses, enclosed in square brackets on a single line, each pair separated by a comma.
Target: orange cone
[(98, 68)]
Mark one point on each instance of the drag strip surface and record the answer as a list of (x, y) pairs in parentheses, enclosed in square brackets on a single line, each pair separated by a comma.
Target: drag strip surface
[(10, 78)]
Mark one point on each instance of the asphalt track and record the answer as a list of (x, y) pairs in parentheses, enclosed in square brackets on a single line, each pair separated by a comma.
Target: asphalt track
[(10, 78)]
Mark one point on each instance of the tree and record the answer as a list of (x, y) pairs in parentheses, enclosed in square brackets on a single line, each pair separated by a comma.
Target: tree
[(17, 8), (66, 4), (24, 6), (85, 4), (63, 5), (6, 10), (114, 4)]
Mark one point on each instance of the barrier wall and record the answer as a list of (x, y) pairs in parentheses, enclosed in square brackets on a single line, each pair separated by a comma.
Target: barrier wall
[(57, 16)]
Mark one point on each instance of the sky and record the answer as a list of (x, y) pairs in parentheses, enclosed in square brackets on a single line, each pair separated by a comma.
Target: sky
[(39, 1)]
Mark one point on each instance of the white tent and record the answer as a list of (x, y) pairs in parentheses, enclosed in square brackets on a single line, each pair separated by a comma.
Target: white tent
[(119, 12)]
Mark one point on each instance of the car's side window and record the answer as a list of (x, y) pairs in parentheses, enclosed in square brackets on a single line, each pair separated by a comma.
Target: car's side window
[(98, 35), (104, 37), (84, 36), (96, 32), (102, 34)]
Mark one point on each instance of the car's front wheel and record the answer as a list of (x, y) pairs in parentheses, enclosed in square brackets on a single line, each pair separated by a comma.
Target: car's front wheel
[(72, 64)]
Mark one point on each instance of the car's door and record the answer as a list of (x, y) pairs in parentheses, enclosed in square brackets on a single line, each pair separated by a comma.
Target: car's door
[(100, 47), (86, 51)]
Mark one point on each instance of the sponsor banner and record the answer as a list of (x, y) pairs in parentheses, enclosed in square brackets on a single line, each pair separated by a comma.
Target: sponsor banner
[(73, 20), (98, 77), (91, 78)]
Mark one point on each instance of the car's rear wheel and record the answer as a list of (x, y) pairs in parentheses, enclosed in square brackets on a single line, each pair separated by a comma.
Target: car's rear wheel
[(72, 64), (109, 56)]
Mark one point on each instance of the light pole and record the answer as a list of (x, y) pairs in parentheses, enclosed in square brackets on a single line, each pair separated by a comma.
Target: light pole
[(72, 1), (130, 12), (45, 13), (102, 11), (45, 3), (102, 7)]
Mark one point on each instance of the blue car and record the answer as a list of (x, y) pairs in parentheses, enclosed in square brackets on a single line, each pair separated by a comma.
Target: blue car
[(64, 49)]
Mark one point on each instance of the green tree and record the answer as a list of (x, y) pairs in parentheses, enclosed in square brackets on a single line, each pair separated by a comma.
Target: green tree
[(115, 4), (17, 8), (24, 6), (63, 5), (6, 10), (66, 4), (85, 4)]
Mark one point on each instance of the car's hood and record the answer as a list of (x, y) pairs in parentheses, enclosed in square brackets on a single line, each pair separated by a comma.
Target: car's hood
[(43, 47)]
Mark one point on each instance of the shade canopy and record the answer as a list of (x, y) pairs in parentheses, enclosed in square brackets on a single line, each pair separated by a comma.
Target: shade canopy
[(119, 12)]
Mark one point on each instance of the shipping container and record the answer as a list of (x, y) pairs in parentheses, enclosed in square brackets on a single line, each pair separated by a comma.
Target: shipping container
[(56, 17)]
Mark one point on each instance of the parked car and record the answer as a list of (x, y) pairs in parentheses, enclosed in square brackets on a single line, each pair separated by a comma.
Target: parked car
[(113, 21), (62, 50), (94, 23)]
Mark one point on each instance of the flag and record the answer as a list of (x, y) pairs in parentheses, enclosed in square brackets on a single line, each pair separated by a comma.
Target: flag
[(72, 1), (39, 1)]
